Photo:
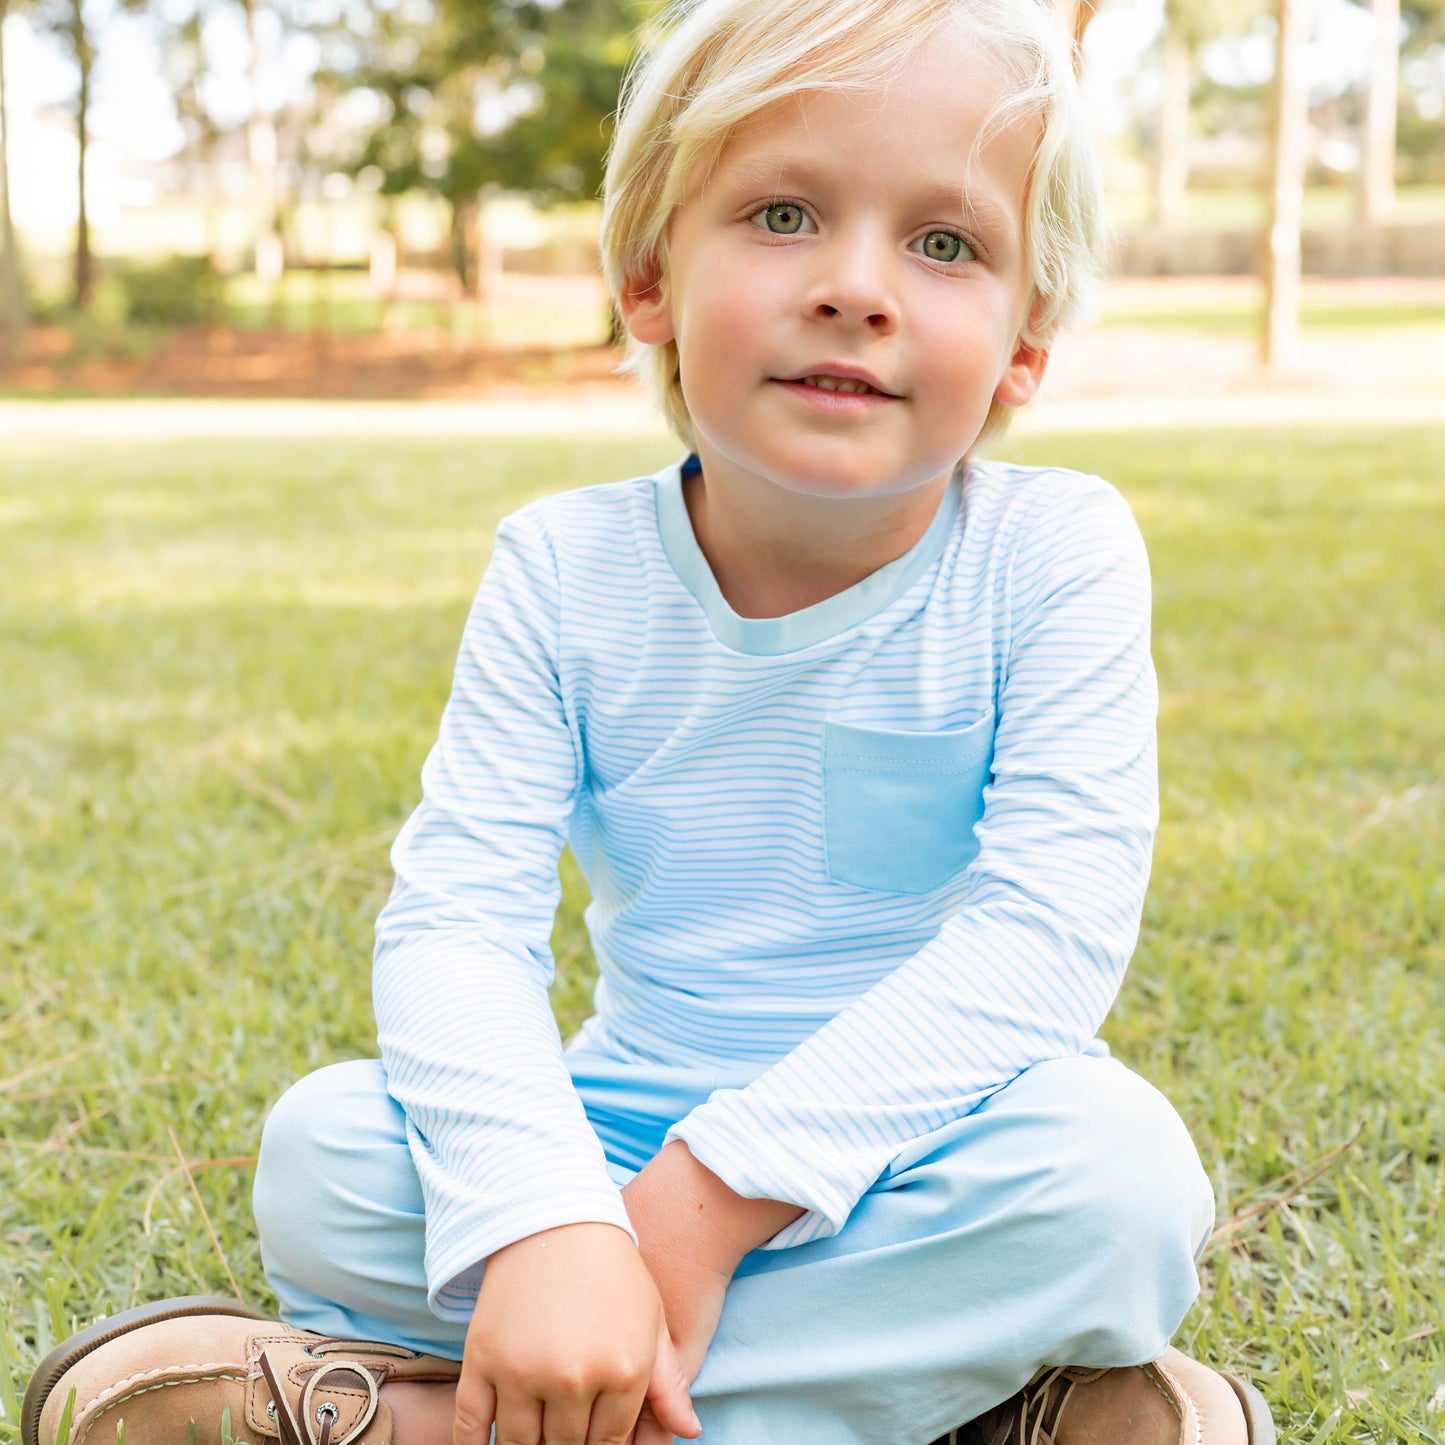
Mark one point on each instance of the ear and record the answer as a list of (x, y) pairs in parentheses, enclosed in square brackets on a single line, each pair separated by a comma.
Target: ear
[(646, 312), (1022, 376)]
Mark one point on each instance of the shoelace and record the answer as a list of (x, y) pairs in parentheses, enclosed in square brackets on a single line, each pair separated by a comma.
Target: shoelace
[(318, 1416), (1033, 1416)]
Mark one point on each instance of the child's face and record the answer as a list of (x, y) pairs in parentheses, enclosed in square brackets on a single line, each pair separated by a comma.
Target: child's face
[(847, 236)]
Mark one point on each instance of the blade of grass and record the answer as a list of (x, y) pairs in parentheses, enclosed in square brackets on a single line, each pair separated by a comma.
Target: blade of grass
[(205, 1214)]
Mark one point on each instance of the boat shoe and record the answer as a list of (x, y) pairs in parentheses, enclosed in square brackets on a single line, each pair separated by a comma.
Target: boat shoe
[(1173, 1401), (168, 1366)]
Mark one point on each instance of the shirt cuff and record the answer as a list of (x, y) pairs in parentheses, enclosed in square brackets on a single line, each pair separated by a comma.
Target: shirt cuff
[(456, 1261)]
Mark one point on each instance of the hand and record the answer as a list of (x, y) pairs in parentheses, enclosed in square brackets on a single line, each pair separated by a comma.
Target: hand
[(568, 1339), (693, 1232)]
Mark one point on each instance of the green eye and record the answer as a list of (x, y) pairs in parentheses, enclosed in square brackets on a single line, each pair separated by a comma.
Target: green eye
[(944, 246), (783, 218)]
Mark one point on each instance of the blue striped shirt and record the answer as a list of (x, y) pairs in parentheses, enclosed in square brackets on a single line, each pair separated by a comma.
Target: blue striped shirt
[(887, 851)]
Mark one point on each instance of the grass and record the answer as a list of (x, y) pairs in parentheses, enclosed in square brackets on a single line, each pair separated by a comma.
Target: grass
[(1243, 208), (344, 302), (223, 665), (1237, 313)]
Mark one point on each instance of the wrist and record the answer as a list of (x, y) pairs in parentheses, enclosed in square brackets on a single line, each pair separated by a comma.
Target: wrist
[(738, 1223)]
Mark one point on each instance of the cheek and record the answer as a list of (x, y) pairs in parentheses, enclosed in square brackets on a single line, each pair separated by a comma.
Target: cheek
[(970, 342), (723, 319)]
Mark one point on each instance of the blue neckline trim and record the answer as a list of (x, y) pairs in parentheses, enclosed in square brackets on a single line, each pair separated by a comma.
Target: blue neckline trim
[(794, 631)]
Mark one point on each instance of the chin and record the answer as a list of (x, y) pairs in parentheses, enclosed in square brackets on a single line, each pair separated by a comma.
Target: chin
[(845, 483), (811, 471)]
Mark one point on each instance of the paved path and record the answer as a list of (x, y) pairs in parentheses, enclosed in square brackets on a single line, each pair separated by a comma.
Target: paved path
[(621, 412)]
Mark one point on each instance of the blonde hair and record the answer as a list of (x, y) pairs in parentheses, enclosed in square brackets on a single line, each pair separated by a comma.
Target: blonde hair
[(715, 63)]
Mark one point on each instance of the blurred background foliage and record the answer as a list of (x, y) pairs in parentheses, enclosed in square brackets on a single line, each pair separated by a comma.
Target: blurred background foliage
[(428, 145)]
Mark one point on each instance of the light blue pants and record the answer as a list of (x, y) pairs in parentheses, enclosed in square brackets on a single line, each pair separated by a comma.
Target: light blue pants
[(1057, 1224)]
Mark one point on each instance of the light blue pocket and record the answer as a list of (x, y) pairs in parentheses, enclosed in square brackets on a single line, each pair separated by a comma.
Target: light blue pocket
[(899, 809)]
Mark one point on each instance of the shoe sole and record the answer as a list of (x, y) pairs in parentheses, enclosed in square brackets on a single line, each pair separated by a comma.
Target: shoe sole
[(77, 1347), (1258, 1420)]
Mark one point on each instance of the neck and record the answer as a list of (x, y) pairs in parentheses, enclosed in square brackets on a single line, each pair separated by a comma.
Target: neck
[(773, 552)]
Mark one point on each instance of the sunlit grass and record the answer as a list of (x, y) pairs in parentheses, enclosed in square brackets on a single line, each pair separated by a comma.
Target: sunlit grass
[(223, 664), (1242, 208), (520, 312), (1238, 314)]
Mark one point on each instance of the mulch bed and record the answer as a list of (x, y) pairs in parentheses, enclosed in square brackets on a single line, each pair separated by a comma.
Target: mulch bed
[(213, 361)]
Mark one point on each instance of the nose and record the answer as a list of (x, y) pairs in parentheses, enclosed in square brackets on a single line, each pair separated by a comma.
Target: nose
[(854, 281)]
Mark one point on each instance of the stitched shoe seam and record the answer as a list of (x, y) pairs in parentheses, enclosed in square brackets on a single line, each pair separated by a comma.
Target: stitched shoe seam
[(1172, 1395), (108, 1399)]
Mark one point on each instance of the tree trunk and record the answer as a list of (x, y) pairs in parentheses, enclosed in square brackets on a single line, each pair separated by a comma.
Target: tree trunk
[(12, 287), (463, 242), (1281, 258), (85, 59), (260, 134), (1171, 160), (490, 259), (207, 183), (1377, 171)]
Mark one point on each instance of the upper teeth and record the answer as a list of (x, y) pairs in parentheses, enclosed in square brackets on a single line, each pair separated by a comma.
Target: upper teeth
[(836, 383)]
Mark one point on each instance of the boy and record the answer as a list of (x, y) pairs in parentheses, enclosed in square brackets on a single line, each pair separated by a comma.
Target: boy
[(855, 744)]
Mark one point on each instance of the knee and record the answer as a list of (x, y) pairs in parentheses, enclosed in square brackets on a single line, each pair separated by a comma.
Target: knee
[(324, 1143), (1129, 1168), (318, 1113)]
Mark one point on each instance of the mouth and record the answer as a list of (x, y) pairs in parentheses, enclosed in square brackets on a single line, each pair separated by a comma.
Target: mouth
[(838, 383), (849, 381)]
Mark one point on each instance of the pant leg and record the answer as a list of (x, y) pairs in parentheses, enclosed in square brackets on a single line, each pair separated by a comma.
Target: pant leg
[(339, 1213), (1056, 1224)]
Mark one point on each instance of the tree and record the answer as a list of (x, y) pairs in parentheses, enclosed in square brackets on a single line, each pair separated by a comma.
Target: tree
[(431, 71), (1420, 139), (1189, 25), (1171, 141), (557, 148), (66, 20), (181, 37), (1281, 249), (1377, 169), (12, 284), (261, 147), (507, 95)]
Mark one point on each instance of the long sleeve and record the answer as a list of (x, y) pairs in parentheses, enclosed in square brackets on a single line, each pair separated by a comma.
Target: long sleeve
[(463, 958), (1029, 965)]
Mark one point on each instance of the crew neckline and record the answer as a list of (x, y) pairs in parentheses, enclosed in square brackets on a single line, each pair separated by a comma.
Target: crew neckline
[(793, 631)]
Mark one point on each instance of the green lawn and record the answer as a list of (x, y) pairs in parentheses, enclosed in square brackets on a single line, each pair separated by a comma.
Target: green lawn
[(222, 665), (1237, 313), (1241, 208), (344, 303)]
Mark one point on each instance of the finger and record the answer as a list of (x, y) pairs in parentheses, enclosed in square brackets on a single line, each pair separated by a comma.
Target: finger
[(519, 1418), (476, 1409), (649, 1432), (614, 1417), (564, 1422), (667, 1392)]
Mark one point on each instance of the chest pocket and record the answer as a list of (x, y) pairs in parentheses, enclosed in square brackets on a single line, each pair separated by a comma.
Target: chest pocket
[(899, 809)]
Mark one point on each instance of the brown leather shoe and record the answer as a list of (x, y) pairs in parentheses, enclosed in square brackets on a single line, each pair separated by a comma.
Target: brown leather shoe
[(163, 1366), (1173, 1401)]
